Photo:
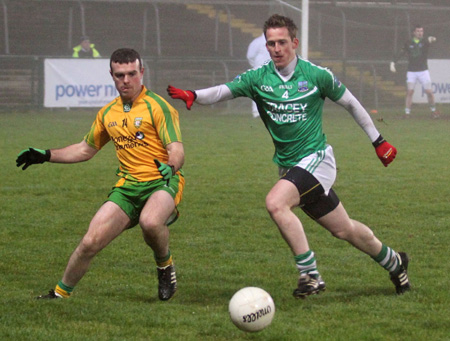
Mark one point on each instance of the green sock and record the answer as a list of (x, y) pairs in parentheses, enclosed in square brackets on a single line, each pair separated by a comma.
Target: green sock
[(387, 258), (164, 261), (63, 290), (306, 263)]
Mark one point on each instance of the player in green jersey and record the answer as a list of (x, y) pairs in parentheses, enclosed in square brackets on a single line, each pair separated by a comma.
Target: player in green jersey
[(290, 94), (145, 131)]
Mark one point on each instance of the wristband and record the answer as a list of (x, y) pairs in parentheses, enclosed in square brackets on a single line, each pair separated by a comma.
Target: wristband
[(378, 141), (48, 154)]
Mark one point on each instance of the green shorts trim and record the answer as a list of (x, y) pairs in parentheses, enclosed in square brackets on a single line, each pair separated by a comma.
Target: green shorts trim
[(131, 196)]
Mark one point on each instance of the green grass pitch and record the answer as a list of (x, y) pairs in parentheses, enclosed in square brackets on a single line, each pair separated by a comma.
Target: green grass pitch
[(224, 239)]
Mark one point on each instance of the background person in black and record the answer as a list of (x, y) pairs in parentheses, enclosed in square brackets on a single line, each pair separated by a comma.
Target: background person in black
[(417, 51)]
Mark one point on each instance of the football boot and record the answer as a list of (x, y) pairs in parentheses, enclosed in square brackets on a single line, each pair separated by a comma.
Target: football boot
[(309, 285), (51, 295), (400, 277), (167, 282)]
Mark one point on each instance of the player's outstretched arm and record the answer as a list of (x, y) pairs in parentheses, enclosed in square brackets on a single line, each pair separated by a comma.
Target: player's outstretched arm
[(188, 96), (206, 96), (385, 151), (71, 154)]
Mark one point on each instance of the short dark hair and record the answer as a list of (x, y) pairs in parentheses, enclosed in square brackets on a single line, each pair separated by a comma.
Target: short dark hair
[(277, 21), (125, 56), (417, 26)]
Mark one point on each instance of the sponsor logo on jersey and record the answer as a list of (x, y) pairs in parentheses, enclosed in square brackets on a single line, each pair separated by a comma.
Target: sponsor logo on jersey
[(287, 112), (112, 124), (128, 142), (266, 88), (138, 121), (140, 135), (287, 118), (302, 86), (288, 107)]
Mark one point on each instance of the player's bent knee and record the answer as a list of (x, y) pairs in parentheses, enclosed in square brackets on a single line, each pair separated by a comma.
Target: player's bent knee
[(270, 207), (89, 246), (270, 202), (150, 225), (147, 225), (341, 234), (346, 231), (273, 206)]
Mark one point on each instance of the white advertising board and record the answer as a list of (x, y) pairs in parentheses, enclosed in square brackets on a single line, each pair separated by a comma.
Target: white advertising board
[(440, 82), (77, 83)]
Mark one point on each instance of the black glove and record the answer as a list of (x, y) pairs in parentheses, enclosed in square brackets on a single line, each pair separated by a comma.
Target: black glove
[(32, 156)]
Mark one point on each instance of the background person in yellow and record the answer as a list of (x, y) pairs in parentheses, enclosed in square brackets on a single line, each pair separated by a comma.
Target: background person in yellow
[(145, 131), (85, 49)]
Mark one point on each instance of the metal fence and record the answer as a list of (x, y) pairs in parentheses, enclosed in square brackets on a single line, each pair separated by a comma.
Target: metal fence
[(201, 43)]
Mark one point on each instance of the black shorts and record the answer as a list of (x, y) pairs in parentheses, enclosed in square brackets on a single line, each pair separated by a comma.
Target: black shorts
[(313, 200)]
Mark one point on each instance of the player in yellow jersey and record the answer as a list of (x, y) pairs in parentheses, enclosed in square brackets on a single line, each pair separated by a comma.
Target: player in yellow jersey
[(146, 134)]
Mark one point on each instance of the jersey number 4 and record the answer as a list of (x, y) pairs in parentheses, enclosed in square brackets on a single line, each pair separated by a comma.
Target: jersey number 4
[(285, 95)]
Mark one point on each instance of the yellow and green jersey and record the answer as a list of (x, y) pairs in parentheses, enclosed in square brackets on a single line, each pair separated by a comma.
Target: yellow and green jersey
[(140, 133)]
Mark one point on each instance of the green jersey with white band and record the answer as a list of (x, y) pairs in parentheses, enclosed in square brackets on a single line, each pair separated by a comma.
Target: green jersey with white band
[(291, 110)]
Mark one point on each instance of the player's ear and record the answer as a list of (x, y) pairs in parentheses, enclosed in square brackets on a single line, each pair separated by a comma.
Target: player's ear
[(296, 42)]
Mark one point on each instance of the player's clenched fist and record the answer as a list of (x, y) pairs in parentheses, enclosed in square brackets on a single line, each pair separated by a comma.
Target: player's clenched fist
[(385, 151), (166, 171), (187, 96)]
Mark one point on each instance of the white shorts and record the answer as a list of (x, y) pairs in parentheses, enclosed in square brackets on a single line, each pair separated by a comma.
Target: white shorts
[(423, 77), (322, 165)]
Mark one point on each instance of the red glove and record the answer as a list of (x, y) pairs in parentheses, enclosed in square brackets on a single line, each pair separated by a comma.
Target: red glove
[(186, 95), (385, 151)]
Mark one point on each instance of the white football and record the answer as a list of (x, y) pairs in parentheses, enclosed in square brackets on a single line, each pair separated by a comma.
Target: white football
[(251, 309)]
